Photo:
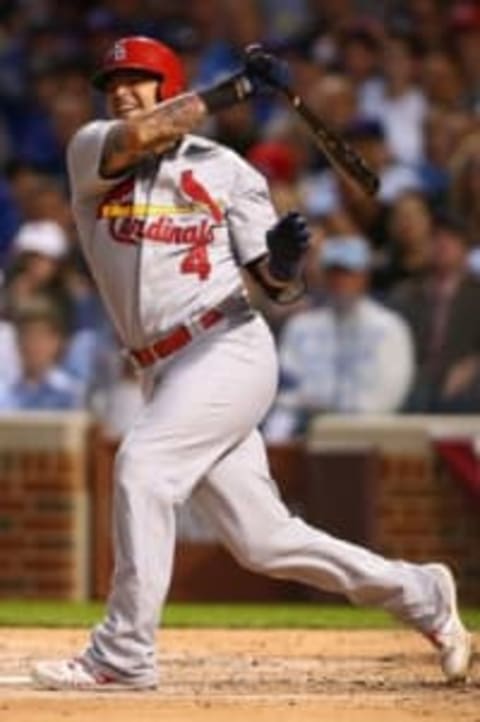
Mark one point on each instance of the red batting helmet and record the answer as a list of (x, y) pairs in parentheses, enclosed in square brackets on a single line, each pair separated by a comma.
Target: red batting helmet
[(148, 56)]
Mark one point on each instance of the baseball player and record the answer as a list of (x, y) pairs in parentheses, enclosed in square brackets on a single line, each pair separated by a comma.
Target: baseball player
[(167, 221)]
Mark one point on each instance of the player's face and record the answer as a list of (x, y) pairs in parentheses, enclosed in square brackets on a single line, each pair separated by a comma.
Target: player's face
[(129, 93)]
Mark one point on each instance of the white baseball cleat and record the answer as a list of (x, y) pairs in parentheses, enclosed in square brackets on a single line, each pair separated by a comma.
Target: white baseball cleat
[(76, 674), (452, 640)]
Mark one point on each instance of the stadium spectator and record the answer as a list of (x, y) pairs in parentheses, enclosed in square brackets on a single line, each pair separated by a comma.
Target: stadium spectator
[(442, 81), (38, 253), (233, 26), (441, 309), (236, 127), (37, 197), (336, 13), (334, 98), (425, 18), (9, 355), (49, 203), (444, 131), (42, 384), (280, 163), (465, 185), (326, 194), (406, 254), (351, 355), (464, 32), (41, 264), (9, 220), (360, 60), (285, 19), (399, 103)]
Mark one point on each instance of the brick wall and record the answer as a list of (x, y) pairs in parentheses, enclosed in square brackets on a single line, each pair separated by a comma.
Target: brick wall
[(43, 506), (419, 511), (376, 482), (424, 514)]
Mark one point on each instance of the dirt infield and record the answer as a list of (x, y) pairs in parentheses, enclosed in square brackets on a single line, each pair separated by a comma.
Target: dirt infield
[(265, 676)]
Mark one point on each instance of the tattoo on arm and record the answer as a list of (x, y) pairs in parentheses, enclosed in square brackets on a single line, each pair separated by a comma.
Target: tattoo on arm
[(154, 130), (117, 153), (172, 119)]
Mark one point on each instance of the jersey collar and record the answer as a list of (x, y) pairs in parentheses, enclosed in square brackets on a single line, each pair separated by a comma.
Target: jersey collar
[(191, 145)]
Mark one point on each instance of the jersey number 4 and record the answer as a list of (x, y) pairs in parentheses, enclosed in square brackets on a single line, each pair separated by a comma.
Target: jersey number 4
[(197, 261)]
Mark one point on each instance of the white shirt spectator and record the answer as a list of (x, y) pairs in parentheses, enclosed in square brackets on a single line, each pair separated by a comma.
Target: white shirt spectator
[(358, 361), (10, 364), (403, 118)]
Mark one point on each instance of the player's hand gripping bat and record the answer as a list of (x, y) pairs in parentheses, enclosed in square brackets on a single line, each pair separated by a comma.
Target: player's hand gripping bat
[(341, 155)]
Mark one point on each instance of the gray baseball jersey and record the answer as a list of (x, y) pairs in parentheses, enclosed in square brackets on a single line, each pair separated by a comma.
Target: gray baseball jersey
[(165, 242)]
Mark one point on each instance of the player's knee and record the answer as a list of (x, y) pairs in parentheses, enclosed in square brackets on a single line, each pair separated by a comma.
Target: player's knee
[(273, 551), (257, 555)]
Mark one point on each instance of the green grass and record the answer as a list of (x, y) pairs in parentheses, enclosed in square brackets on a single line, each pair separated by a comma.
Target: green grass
[(24, 613)]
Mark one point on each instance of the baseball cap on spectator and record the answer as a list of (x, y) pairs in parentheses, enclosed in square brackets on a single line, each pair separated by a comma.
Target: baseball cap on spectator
[(351, 253), (465, 17), (364, 129), (276, 160), (45, 238)]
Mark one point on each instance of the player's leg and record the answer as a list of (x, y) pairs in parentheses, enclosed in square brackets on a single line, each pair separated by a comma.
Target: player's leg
[(185, 428), (198, 411), (242, 503)]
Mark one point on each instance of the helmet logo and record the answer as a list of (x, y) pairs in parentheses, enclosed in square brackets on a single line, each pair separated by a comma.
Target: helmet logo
[(119, 52)]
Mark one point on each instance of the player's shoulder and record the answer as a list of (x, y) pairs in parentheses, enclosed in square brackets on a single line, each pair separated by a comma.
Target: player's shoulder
[(202, 146), (92, 132), (196, 146)]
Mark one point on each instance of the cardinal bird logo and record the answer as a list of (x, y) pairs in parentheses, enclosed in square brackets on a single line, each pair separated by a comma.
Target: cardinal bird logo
[(194, 190)]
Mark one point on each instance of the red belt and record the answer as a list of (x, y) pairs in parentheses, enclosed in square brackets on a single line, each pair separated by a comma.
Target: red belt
[(174, 341)]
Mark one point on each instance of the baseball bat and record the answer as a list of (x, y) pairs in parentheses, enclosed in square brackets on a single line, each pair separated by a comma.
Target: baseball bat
[(341, 155)]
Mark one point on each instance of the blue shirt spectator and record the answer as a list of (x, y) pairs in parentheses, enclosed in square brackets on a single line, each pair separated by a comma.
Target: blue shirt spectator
[(351, 356), (56, 391), (41, 383)]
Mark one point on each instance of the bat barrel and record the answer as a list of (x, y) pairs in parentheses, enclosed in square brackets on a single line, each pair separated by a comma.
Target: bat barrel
[(338, 151)]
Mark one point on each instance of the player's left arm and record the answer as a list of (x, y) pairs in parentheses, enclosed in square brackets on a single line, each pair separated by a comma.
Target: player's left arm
[(272, 250), (279, 271)]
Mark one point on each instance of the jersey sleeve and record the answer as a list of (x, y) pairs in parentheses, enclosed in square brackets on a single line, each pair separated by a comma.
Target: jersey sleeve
[(84, 154), (251, 213)]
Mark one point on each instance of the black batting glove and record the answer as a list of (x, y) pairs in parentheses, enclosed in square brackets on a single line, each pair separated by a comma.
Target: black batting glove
[(264, 70), (287, 243)]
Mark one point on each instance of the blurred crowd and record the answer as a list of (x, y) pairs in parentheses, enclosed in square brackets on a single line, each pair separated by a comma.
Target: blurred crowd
[(390, 321)]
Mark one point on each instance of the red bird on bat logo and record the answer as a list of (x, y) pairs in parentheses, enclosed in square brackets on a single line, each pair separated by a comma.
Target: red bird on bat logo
[(193, 189)]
